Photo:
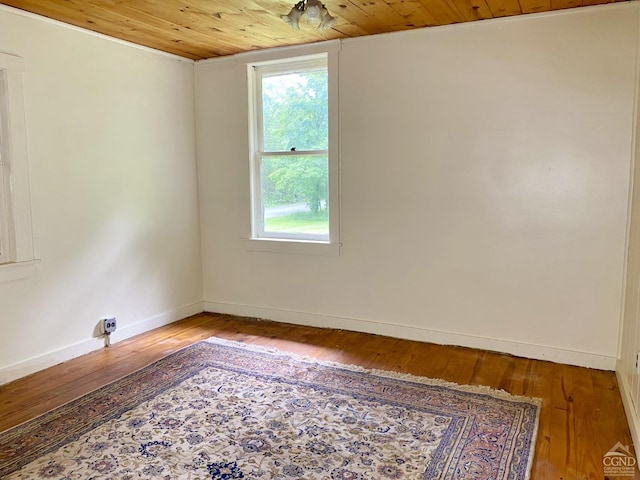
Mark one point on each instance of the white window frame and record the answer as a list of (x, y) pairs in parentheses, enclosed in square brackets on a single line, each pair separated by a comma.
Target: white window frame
[(17, 258), (259, 72), (291, 243)]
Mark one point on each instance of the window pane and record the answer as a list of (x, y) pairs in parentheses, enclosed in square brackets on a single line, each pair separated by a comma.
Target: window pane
[(295, 194), (295, 112)]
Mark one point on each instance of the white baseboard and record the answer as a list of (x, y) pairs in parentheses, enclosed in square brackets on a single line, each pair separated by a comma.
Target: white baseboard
[(629, 409), (35, 364), (538, 352)]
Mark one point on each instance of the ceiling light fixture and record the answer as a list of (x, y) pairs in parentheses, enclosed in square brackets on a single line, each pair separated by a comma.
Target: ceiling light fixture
[(313, 11)]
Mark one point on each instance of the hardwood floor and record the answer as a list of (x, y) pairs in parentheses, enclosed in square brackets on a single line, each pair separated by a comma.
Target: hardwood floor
[(582, 415)]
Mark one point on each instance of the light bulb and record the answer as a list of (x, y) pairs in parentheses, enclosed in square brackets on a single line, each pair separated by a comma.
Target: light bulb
[(313, 11)]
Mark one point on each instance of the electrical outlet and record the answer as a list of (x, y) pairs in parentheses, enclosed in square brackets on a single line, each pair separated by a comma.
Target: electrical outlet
[(109, 325)]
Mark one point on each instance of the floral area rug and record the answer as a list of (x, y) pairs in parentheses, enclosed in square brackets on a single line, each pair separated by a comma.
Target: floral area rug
[(222, 410)]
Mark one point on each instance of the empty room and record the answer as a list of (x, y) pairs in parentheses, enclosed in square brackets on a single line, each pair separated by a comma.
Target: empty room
[(377, 240)]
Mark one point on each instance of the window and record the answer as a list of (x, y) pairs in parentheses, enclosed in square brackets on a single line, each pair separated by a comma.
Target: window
[(16, 237), (294, 151)]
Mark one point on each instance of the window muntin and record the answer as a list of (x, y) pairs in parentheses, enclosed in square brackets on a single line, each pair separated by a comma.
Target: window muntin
[(290, 163)]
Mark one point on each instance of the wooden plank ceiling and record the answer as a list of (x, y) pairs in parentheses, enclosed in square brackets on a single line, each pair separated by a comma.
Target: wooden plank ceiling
[(200, 29)]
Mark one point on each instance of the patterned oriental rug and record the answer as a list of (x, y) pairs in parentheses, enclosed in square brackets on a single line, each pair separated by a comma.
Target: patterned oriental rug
[(223, 410)]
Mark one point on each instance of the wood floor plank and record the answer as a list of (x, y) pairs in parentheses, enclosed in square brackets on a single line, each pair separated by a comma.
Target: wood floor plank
[(582, 415)]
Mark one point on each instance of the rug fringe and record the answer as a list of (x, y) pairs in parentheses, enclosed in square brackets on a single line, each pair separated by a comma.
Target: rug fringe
[(479, 389)]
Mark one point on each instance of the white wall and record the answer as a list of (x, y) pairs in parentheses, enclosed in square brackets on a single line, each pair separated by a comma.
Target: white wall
[(111, 141), (484, 181), (485, 170)]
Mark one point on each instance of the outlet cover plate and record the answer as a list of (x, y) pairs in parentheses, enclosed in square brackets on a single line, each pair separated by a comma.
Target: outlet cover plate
[(109, 325)]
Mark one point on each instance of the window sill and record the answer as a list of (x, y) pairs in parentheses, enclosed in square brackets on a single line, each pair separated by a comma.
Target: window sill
[(295, 247), (10, 272)]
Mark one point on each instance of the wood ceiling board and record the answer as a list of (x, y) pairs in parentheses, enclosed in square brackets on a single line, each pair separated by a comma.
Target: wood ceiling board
[(193, 32), (349, 30), (109, 22), (473, 9), (443, 11), (175, 39), (422, 18), (562, 4), (413, 12), (352, 13), (122, 20), (535, 6), (405, 8), (382, 12), (504, 8), (230, 24), (199, 29)]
